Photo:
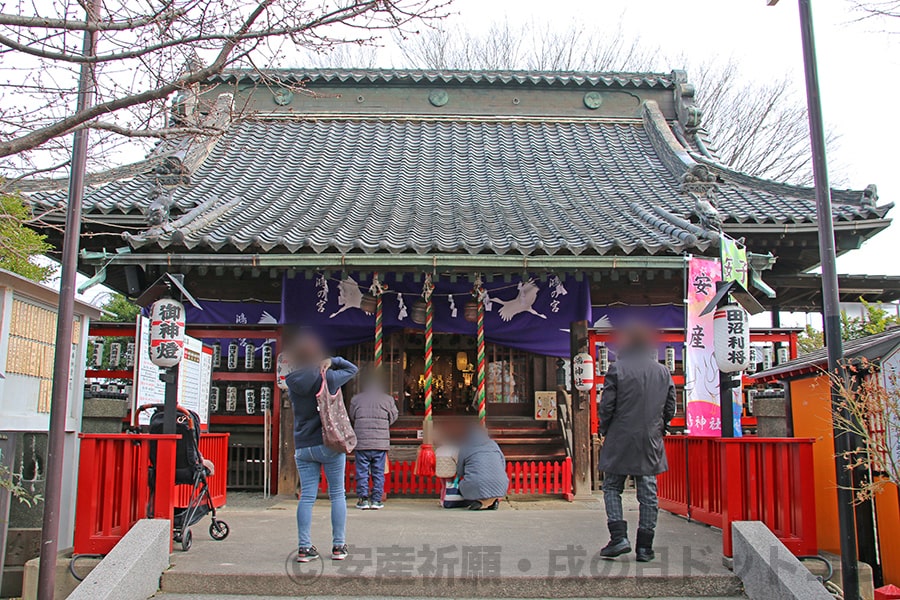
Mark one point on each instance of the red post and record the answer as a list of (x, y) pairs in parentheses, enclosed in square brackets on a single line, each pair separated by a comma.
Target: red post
[(164, 497), (732, 482)]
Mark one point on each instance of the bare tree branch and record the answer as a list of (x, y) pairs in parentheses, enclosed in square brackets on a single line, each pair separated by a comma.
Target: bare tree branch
[(148, 52), (759, 128)]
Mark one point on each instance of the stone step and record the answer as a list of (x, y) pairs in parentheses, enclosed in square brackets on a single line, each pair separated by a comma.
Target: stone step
[(166, 596), (527, 549), (514, 587)]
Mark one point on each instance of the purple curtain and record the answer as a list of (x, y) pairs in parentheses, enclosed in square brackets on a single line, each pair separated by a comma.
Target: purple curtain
[(530, 315)]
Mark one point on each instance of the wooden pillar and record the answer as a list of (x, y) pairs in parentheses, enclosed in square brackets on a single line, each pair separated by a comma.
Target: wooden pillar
[(581, 421), (287, 468)]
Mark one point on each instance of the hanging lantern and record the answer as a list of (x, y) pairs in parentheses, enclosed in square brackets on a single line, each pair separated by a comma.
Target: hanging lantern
[(784, 355), (670, 359), (98, 353), (266, 361), (282, 369), (768, 358), (250, 401), (230, 398), (232, 356), (265, 398), (753, 360), (115, 355), (249, 357), (462, 361), (129, 355), (166, 332), (603, 359), (583, 371), (368, 303), (214, 399), (731, 335), (417, 312), (217, 355)]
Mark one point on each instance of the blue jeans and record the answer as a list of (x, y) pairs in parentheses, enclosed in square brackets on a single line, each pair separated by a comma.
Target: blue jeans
[(310, 462), (370, 461), (614, 485)]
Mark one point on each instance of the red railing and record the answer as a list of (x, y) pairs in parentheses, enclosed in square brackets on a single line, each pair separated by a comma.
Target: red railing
[(525, 477), (213, 446), (718, 481), (113, 490)]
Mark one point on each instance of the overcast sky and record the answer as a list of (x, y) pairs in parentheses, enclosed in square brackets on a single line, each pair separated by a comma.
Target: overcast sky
[(858, 63)]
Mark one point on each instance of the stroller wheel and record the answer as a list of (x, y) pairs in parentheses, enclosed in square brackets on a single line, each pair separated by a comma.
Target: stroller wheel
[(218, 530), (186, 540)]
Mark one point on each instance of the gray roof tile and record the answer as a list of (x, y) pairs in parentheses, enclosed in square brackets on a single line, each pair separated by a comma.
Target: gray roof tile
[(445, 185)]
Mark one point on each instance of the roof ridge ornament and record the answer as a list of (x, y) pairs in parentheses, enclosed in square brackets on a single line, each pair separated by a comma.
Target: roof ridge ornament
[(869, 196), (690, 115)]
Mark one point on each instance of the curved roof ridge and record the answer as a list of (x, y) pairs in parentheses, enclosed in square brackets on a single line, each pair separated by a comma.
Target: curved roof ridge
[(862, 197)]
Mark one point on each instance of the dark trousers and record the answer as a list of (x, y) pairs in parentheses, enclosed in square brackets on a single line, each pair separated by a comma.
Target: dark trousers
[(614, 485), (370, 462)]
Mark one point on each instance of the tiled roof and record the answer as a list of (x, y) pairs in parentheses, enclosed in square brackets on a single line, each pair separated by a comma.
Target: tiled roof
[(872, 348), (446, 186), (408, 76), (402, 183)]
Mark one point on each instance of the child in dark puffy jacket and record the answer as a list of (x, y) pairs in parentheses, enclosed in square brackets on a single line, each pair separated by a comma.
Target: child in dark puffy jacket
[(372, 412)]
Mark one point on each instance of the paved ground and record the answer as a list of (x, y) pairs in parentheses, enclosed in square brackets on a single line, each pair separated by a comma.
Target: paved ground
[(544, 548), (201, 597)]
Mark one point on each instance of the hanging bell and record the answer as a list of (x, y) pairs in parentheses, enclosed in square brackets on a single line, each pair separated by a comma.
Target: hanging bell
[(368, 304), (470, 311), (417, 312)]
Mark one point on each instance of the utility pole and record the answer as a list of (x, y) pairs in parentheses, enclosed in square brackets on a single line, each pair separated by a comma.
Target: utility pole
[(831, 310), (65, 322)]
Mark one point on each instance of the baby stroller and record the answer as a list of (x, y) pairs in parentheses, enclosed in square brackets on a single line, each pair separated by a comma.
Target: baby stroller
[(190, 469)]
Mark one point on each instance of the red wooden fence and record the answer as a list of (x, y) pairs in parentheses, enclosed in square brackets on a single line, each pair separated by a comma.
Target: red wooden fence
[(718, 481), (525, 477), (213, 446), (113, 490)]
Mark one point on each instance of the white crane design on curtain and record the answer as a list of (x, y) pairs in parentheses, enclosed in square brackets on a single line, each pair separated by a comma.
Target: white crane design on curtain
[(522, 303)]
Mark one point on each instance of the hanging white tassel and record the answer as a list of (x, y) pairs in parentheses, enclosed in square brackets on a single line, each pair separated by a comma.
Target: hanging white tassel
[(402, 312), (452, 307)]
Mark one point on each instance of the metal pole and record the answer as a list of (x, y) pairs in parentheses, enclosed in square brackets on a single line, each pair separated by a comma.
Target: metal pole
[(170, 377), (64, 327), (830, 301)]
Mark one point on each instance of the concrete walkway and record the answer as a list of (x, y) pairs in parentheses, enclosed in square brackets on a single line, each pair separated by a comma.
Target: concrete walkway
[(527, 549)]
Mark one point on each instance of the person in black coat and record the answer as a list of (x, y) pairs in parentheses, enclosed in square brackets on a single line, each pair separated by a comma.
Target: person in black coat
[(637, 403)]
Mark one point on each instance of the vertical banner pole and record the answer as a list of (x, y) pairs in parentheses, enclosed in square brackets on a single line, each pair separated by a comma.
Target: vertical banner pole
[(379, 322), (429, 355), (482, 409), (425, 460), (379, 334)]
